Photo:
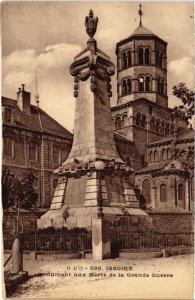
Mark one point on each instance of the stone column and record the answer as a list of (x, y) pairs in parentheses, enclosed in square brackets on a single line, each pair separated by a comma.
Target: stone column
[(101, 239)]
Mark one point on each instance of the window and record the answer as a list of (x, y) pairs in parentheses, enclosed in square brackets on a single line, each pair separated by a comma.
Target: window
[(137, 119), (181, 192), (32, 151), (141, 84), (163, 193), (7, 117), (150, 110), (162, 130), (157, 126), (124, 87), (118, 123), (167, 129), (143, 160), (56, 155), (172, 129), (125, 122), (155, 155), (151, 157), (7, 146), (124, 60), (152, 124), (143, 121), (146, 190), (129, 58), (129, 86), (164, 154), (141, 56), (148, 84), (147, 56)]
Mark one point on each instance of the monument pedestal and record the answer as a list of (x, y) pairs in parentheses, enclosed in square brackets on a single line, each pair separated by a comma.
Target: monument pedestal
[(101, 239)]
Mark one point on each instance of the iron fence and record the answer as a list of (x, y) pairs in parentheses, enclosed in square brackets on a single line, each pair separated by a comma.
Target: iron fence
[(52, 243), (150, 242)]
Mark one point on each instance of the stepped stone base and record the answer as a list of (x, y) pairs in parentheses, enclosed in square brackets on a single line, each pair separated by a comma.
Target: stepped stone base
[(83, 216)]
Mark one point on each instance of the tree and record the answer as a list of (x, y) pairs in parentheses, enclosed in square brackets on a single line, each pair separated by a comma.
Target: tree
[(18, 191), (186, 109)]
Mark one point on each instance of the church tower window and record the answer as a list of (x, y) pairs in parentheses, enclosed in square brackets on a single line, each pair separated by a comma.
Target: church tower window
[(147, 56), (152, 124), (148, 84), (129, 63), (167, 129), (125, 121), (124, 60), (118, 123), (163, 193), (162, 87), (141, 83), (158, 85), (124, 87), (138, 119), (143, 121), (155, 155), (181, 192), (141, 56), (157, 126), (129, 85)]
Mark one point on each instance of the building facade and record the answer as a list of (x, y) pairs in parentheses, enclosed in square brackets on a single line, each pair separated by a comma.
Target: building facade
[(32, 139)]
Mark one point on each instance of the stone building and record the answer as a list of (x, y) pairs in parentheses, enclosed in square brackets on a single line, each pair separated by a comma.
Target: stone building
[(32, 139)]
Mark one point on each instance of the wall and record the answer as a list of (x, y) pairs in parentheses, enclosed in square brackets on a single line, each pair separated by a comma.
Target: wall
[(175, 223), (28, 219)]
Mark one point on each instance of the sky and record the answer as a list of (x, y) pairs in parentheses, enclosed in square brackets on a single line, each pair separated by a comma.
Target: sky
[(45, 36)]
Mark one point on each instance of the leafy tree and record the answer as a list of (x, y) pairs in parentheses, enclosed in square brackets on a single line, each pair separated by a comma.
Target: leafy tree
[(186, 109), (18, 191)]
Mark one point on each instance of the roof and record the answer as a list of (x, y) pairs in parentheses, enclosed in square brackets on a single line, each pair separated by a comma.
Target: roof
[(140, 32), (37, 120), (182, 136), (122, 137), (153, 166)]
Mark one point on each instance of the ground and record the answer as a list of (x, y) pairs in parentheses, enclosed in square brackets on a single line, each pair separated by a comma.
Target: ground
[(54, 277)]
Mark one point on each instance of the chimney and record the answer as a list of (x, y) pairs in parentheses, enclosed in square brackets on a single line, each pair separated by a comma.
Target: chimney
[(23, 100)]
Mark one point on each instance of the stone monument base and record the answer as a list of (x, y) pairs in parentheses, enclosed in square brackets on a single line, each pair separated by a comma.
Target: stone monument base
[(82, 217)]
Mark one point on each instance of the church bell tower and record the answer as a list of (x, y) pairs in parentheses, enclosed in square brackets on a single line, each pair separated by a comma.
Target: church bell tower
[(142, 67)]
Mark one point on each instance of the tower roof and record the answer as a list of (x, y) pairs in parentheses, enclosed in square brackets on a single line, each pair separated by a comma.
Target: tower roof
[(141, 30)]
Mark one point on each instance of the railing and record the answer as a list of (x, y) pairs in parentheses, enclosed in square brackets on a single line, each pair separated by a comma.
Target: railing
[(52, 243), (147, 242)]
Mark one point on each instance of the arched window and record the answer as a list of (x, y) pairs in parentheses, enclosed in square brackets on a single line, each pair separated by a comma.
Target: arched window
[(147, 56), (148, 84), (151, 157), (118, 123), (143, 121), (125, 121), (146, 190), (155, 155), (181, 195), (163, 192), (157, 126), (167, 129), (162, 87), (124, 87), (172, 129), (137, 119), (124, 60), (168, 153), (129, 85), (140, 56), (164, 154), (152, 124), (141, 83), (158, 85), (129, 58)]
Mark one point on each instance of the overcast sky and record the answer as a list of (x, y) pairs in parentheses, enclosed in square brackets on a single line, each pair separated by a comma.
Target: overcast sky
[(47, 35)]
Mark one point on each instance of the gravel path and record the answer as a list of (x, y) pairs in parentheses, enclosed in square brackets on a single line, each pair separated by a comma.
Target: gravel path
[(88, 279)]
